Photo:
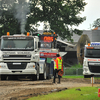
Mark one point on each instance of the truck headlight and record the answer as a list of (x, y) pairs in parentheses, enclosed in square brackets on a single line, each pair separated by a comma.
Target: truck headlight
[(1, 58), (85, 69), (85, 63), (31, 66), (2, 66)]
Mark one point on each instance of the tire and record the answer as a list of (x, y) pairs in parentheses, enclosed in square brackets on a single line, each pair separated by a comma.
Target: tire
[(48, 72), (13, 77), (87, 76), (3, 77), (43, 76), (36, 77)]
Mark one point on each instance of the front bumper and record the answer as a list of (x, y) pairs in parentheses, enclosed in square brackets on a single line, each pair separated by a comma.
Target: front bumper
[(30, 69), (86, 71)]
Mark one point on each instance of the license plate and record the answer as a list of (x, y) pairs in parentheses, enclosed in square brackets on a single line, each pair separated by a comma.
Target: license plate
[(16, 63)]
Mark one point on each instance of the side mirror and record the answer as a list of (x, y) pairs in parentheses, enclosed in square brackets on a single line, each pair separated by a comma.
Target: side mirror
[(39, 44), (81, 54)]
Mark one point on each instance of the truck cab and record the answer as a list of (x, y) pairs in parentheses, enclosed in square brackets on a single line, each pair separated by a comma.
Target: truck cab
[(91, 63), (19, 56)]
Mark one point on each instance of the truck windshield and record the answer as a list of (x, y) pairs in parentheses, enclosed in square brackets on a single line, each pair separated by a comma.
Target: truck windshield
[(45, 45), (92, 53), (17, 43)]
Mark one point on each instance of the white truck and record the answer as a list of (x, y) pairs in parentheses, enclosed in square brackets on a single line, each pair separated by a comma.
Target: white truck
[(19, 56), (91, 63)]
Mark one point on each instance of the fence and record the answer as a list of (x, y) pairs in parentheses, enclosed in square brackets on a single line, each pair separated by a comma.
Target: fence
[(73, 71)]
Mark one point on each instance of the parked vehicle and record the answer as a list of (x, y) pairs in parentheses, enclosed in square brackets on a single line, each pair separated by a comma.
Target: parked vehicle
[(19, 56), (91, 63)]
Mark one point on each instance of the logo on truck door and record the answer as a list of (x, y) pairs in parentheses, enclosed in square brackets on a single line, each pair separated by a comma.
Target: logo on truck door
[(93, 59)]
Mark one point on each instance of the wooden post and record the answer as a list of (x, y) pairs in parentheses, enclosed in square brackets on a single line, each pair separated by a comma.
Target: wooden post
[(92, 80)]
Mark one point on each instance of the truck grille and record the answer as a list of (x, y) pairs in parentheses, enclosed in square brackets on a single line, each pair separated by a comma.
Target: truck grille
[(6, 56), (16, 58), (16, 66), (94, 69)]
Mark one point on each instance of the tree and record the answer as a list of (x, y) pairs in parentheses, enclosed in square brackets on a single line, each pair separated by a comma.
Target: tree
[(61, 15), (96, 23), (13, 16)]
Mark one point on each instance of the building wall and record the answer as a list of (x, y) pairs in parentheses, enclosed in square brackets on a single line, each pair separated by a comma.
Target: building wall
[(96, 36), (70, 58)]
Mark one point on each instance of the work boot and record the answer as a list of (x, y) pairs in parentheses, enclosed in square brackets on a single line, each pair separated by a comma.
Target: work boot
[(58, 82), (53, 82)]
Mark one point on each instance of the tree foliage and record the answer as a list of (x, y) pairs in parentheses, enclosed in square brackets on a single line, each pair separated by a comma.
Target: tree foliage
[(11, 16), (96, 23), (62, 15)]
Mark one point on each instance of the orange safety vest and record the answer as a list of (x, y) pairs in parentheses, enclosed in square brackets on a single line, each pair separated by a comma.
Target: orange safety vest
[(58, 64)]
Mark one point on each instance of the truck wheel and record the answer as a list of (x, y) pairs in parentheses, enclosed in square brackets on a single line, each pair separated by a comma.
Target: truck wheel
[(43, 76), (36, 77), (11, 77), (3, 77), (87, 76)]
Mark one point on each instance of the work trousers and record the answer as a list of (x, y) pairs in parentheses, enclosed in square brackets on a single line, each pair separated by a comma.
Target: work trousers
[(55, 72)]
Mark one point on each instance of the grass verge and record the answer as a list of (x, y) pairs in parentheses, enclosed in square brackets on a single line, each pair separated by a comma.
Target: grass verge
[(72, 76), (82, 93)]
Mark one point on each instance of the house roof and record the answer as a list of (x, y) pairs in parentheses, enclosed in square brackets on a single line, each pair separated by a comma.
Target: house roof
[(76, 37), (97, 28)]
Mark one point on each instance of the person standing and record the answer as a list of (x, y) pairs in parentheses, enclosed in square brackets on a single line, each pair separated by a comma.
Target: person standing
[(58, 65)]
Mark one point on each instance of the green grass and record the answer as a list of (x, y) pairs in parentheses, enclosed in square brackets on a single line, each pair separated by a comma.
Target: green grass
[(72, 76), (77, 66), (86, 93), (75, 76), (73, 70)]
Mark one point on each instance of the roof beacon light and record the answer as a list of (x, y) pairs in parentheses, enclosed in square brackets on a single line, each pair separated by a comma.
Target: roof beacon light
[(28, 33), (88, 44), (8, 33), (54, 33), (38, 34)]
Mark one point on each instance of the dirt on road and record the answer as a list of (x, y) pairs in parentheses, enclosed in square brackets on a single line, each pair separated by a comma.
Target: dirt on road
[(23, 89)]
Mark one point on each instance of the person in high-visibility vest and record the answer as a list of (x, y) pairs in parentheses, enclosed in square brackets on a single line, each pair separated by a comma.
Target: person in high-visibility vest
[(58, 65)]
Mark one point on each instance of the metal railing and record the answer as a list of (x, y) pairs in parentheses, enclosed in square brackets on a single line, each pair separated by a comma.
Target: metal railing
[(73, 71)]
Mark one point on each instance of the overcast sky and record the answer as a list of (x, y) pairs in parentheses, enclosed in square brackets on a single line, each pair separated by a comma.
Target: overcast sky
[(91, 11)]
